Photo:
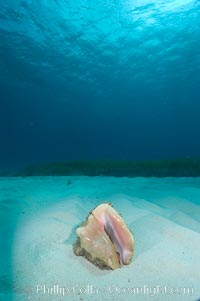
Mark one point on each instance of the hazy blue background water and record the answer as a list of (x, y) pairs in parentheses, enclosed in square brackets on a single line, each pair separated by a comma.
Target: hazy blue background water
[(99, 79)]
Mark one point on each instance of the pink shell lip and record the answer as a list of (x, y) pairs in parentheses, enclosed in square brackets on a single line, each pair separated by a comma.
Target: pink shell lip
[(104, 239), (117, 231)]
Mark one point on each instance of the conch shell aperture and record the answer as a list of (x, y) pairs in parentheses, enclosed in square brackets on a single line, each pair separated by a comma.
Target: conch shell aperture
[(104, 239)]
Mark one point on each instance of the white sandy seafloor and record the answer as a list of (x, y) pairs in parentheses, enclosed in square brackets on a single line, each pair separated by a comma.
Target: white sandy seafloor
[(39, 216)]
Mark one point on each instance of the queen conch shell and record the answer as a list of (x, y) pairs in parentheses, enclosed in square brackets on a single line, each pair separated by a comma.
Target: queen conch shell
[(104, 238)]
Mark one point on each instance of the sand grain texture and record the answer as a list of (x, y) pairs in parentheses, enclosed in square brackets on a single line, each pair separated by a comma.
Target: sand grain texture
[(39, 217)]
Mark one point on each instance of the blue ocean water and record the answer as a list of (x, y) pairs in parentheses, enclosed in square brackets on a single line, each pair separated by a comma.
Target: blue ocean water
[(99, 80)]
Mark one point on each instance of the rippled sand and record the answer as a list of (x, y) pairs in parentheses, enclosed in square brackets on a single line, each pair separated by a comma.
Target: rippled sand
[(39, 216)]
